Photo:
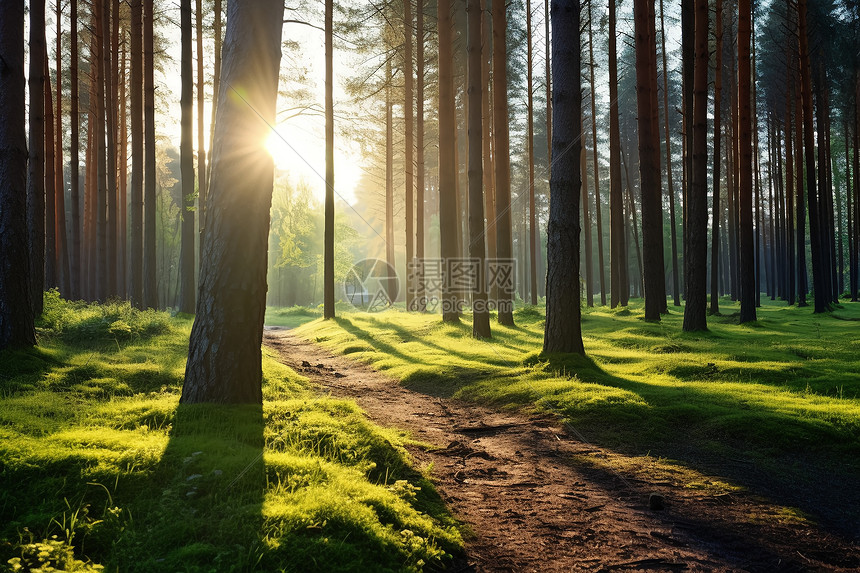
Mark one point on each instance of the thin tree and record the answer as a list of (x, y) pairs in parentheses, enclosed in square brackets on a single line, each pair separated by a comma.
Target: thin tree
[(448, 226), (150, 282), (821, 294), (480, 312), (224, 355), (16, 310), (618, 276), (74, 163), (501, 146), (597, 201), (110, 109), (201, 103), (328, 230), (389, 182), (419, 152), (676, 287), (745, 184), (186, 164), (136, 128), (563, 330), (696, 261), (649, 160), (408, 143), (35, 198), (59, 182), (718, 103), (101, 67), (531, 157)]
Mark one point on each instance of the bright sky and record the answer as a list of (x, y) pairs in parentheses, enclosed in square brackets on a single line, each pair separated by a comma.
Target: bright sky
[(297, 145)]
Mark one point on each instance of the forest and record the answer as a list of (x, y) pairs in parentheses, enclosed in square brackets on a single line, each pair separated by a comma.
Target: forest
[(429, 285)]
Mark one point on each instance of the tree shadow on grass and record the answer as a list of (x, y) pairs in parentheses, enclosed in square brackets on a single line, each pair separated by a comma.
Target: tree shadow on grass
[(204, 507), (797, 462)]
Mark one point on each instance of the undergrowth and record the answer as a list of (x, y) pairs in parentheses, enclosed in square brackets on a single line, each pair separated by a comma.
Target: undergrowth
[(101, 467)]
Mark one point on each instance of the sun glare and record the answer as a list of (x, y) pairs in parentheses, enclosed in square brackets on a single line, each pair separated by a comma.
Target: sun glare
[(303, 157)]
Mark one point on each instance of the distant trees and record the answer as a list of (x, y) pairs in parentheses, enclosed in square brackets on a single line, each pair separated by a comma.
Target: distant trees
[(224, 356)]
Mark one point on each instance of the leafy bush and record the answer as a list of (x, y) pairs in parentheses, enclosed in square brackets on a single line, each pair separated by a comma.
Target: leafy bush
[(79, 321)]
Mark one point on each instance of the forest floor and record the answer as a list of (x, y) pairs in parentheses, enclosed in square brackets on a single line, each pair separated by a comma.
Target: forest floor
[(538, 497)]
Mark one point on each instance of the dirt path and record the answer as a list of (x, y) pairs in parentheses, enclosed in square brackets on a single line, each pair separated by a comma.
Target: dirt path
[(535, 503)]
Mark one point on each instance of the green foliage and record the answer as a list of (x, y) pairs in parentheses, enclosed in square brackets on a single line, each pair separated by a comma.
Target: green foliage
[(100, 464)]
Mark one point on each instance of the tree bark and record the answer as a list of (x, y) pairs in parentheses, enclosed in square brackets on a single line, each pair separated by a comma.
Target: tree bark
[(328, 247), (420, 294), (16, 310), (501, 135), (480, 312), (715, 222), (745, 185), (563, 330), (530, 144), (695, 261), (408, 143), (448, 220), (389, 182), (822, 297), (136, 128), (186, 165), (676, 287), (224, 355), (35, 192), (649, 161), (75, 255), (150, 282), (618, 276), (62, 250), (598, 215), (110, 151)]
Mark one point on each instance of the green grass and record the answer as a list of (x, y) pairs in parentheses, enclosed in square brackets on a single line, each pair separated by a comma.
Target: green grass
[(99, 464), (290, 316), (775, 404)]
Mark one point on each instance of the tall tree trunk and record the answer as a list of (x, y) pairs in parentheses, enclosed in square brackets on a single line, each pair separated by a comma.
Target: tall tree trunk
[(110, 150), (649, 160), (420, 294), (101, 69), (696, 259), (480, 312), (224, 356), (34, 199), (563, 331), (715, 224), (618, 276), (389, 182), (62, 249), (822, 297), (328, 255), (789, 189), (745, 185), (201, 104), (501, 135), (487, 141), (50, 182), (688, 53), (136, 128), (676, 287), (408, 143), (597, 202), (186, 165), (16, 309), (802, 289), (586, 227), (448, 221), (150, 269), (531, 158), (75, 265), (216, 77), (122, 284)]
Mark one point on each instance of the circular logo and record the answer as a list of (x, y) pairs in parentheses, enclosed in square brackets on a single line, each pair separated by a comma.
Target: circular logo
[(371, 285)]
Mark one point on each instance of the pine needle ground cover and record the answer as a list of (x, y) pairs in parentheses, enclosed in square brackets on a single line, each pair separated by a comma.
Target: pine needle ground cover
[(774, 406), (101, 467)]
